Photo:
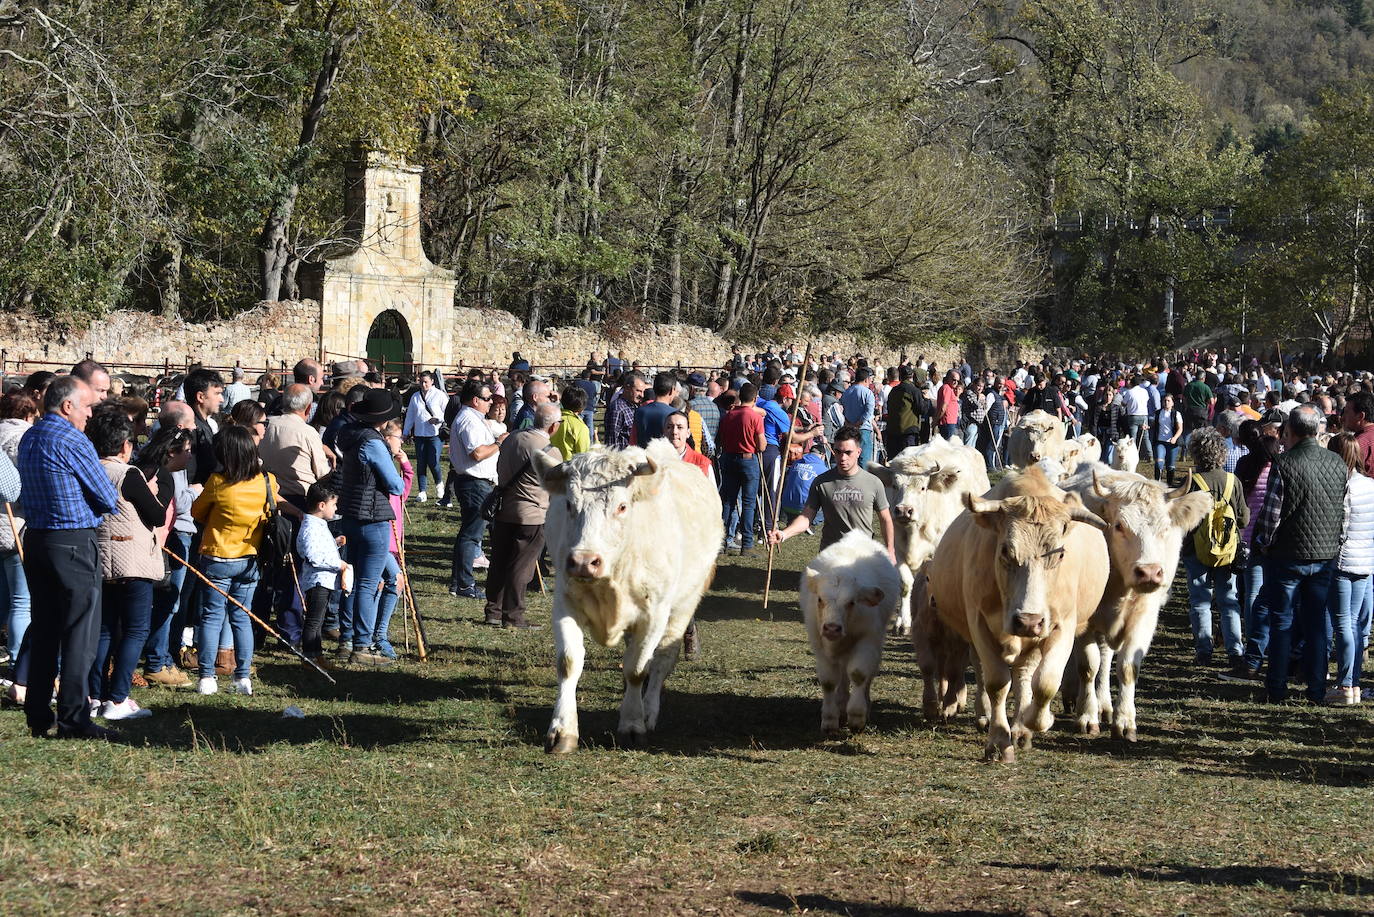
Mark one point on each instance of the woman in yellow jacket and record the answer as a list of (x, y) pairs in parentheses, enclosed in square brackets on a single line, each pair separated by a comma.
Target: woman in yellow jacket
[(232, 513)]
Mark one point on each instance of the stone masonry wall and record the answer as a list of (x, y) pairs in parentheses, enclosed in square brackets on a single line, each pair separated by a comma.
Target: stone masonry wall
[(263, 336), (273, 333)]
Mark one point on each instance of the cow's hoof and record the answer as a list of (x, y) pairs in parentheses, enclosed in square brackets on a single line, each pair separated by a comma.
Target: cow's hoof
[(982, 724), (1123, 732), (1086, 728), (833, 732), (630, 738), (1003, 755), (560, 743), (858, 726), (1023, 738)]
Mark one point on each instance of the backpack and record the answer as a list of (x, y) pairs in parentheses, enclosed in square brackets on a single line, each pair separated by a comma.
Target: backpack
[(1216, 540)]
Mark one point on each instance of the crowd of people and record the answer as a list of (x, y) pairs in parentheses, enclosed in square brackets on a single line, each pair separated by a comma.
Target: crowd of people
[(159, 546)]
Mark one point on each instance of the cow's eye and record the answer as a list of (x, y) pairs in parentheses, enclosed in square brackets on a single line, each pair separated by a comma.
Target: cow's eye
[(622, 509), (1120, 527), (1053, 558)]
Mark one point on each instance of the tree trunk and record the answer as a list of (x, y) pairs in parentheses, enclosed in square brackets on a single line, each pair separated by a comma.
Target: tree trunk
[(167, 276), (274, 250)]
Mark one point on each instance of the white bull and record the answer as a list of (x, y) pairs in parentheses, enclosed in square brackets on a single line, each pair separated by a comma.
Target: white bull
[(925, 487), (614, 576), (848, 594), (1037, 435), (1145, 529)]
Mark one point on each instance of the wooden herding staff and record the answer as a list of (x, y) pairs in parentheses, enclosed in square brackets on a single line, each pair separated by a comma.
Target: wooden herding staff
[(260, 622), (782, 468), (421, 639), (18, 542)]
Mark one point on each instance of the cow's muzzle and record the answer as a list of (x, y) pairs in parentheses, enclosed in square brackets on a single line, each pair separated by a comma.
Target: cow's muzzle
[(1149, 577), (832, 631), (1027, 625), (904, 513), (585, 565)]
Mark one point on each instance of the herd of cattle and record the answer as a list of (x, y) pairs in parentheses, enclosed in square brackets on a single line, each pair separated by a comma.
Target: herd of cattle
[(1019, 580)]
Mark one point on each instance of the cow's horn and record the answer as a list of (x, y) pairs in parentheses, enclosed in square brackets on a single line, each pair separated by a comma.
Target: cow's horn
[(1179, 491), (977, 504), (1097, 486), (648, 466), (934, 471), (1083, 514)]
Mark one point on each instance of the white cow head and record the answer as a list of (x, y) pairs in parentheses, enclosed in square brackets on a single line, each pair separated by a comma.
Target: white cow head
[(838, 599), (1145, 524), (593, 499), (914, 471), (1031, 524), (1038, 435)]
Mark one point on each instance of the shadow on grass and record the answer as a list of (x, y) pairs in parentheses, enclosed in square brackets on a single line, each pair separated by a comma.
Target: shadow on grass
[(825, 904), (253, 731), (1288, 878), (694, 724)]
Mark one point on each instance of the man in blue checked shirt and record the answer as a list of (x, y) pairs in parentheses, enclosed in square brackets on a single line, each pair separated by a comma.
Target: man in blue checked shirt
[(65, 494)]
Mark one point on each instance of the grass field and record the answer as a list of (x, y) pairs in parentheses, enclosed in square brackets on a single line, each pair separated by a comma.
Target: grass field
[(425, 789)]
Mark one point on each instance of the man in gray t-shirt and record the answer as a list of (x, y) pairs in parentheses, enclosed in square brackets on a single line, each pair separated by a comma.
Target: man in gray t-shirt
[(849, 497)]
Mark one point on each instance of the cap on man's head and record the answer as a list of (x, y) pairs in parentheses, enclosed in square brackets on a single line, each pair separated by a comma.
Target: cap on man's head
[(696, 380)]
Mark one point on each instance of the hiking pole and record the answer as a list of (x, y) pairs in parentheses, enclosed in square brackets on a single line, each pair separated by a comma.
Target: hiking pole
[(259, 621), (18, 542), (421, 638), (782, 470)]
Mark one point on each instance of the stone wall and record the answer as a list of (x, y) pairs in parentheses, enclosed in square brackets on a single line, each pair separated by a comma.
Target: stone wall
[(489, 337), (273, 333), (263, 336)]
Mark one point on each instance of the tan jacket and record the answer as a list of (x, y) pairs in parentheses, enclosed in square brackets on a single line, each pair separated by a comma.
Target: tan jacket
[(293, 452), (128, 550)]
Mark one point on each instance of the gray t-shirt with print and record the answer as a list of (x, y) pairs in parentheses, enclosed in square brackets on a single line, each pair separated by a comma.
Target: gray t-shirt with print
[(848, 502)]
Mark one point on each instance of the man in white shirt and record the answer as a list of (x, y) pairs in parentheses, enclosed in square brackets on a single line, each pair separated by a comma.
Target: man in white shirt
[(424, 417), (1136, 401), (236, 391), (472, 451)]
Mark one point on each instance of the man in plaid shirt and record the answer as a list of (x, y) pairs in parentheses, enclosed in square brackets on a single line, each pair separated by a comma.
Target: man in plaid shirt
[(65, 494), (620, 412)]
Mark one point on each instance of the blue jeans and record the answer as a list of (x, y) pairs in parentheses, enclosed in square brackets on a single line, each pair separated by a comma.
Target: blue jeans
[(125, 608), (386, 603), (1165, 454), (949, 431), (1284, 584), (1250, 578), (589, 418), (368, 547), (1345, 604), (239, 578), (865, 446), (739, 495), (156, 653), (426, 458), (16, 599), (1203, 583), (471, 492)]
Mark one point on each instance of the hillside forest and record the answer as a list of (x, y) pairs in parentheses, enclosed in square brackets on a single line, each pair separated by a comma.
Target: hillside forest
[(1126, 173)]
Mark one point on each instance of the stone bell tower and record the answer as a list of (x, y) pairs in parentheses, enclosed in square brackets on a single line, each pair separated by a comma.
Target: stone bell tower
[(385, 298)]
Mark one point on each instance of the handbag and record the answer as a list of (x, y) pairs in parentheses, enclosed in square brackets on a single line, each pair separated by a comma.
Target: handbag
[(491, 504), (276, 537)]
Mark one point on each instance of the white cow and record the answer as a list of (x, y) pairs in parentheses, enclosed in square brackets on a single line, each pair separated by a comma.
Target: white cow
[(1145, 529), (1037, 435), (925, 488), (1127, 455), (1082, 448), (848, 594), (632, 535)]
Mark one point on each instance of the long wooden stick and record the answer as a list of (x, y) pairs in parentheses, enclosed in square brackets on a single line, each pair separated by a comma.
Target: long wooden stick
[(782, 467), (260, 622), (421, 638), (18, 542)]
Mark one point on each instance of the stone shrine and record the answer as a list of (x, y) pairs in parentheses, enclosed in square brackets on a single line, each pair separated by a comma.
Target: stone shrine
[(383, 300)]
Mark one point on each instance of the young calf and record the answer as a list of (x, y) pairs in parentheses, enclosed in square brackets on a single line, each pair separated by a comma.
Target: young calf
[(848, 594)]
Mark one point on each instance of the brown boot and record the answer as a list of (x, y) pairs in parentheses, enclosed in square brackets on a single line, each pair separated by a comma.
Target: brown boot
[(224, 662), (189, 660), (691, 643)]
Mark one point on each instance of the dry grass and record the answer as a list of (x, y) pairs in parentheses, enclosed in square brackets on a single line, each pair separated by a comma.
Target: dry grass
[(425, 789)]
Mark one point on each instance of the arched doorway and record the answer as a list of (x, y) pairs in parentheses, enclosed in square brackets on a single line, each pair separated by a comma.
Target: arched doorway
[(388, 340)]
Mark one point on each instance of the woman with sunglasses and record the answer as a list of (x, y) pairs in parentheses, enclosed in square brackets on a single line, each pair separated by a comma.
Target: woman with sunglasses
[(164, 459)]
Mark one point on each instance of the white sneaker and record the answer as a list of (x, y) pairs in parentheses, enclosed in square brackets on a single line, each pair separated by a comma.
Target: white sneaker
[(95, 706), (481, 562), (241, 686), (439, 491), (127, 709), (208, 685), (421, 496)]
